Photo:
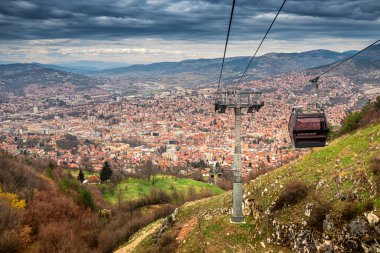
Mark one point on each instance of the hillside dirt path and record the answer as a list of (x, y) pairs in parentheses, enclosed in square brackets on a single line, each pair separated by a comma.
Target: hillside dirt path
[(186, 229), (142, 234), (191, 222), (131, 246)]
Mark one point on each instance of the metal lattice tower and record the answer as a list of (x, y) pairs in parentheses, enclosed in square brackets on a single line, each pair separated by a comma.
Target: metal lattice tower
[(237, 100)]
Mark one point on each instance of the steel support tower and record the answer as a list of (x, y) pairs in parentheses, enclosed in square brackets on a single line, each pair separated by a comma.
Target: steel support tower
[(237, 100)]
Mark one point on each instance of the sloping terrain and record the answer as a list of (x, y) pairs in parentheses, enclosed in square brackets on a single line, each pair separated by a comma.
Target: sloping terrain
[(364, 68), (43, 208), (340, 185), (15, 77)]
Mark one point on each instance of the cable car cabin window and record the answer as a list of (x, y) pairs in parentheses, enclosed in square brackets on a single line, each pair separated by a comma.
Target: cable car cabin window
[(309, 124)]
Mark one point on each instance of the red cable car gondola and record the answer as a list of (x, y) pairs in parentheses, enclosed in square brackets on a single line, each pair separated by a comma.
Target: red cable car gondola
[(308, 128)]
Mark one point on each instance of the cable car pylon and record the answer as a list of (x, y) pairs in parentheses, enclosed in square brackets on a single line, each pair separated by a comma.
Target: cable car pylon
[(222, 103), (238, 100)]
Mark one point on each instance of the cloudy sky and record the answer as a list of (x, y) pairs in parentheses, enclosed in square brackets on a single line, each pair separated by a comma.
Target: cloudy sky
[(142, 31)]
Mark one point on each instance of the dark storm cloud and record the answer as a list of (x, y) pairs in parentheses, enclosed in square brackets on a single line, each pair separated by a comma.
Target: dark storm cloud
[(188, 20)]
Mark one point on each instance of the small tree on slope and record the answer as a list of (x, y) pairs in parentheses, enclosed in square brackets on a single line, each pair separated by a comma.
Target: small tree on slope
[(81, 176), (106, 172)]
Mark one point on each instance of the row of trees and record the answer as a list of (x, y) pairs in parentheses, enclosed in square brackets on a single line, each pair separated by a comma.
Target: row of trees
[(105, 173)]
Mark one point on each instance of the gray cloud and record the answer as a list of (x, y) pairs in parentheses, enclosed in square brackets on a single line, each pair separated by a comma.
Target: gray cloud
[(177, 22), (193, 20)]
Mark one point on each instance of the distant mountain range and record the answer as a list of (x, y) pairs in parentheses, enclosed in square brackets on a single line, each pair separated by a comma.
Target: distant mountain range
[(236, 64), (79, 67), (203, 72), (190, 73), (7, 62), (86, 67)]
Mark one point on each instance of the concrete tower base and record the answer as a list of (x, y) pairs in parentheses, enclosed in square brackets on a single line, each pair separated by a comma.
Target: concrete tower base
[(237, 209)]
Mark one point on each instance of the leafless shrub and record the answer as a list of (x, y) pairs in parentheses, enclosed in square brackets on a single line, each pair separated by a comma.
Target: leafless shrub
[(294, 191), (18, 177), (59, 237), (167, 243), (350, 211), (374, 166), (353, 209), (224, 184), (10, 242)]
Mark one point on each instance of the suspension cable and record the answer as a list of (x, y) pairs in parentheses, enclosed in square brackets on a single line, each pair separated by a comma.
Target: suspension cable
[(315, 80), (258, 48), (225, 47)]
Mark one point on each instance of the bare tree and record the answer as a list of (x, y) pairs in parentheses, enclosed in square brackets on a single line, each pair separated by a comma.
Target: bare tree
[(131, 207), (148, 169), (119, 195)]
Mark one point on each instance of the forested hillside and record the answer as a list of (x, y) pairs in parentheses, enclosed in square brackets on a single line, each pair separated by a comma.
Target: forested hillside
[(46, 208)]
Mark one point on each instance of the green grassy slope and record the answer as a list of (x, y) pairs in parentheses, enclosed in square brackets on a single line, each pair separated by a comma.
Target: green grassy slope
[(341, 167), (201, 227), (135, 188)]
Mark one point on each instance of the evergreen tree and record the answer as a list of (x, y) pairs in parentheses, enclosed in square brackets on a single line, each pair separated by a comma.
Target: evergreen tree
[(81, 176), (106, 172)]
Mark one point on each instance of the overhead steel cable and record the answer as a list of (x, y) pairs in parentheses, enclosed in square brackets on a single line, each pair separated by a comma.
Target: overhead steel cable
[(340, 63), (225, 47), (258, 48)]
